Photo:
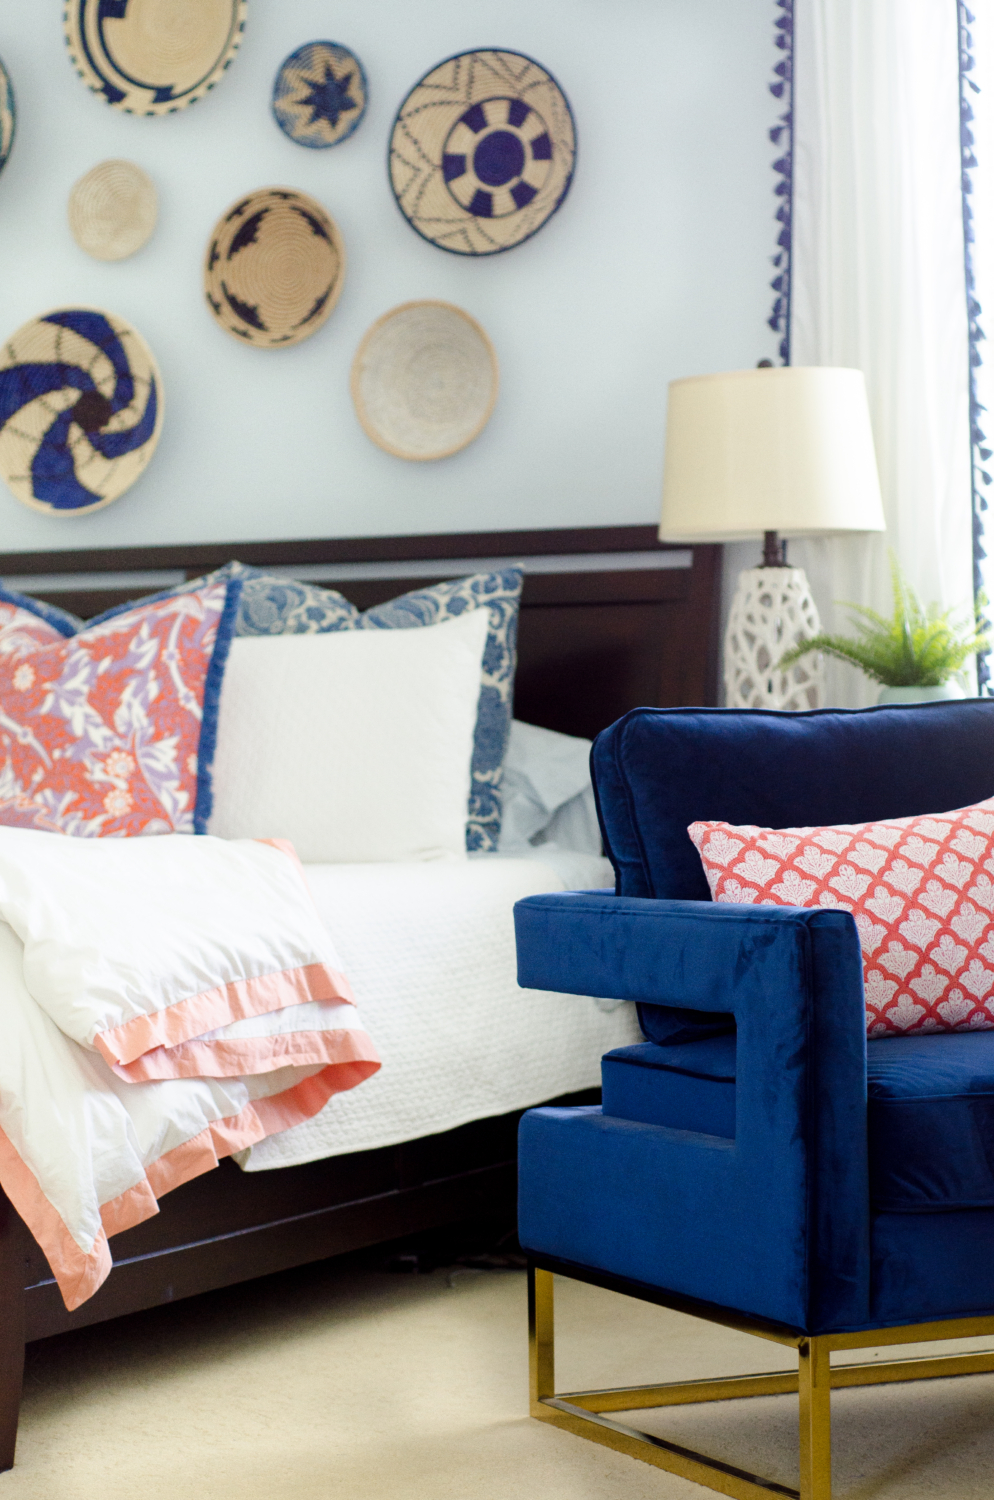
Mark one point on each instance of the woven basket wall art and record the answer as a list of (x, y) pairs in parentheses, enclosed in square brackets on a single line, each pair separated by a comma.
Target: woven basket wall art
[(482, 152), (320, 94), (424, 380), (152, 57), (81, 399), (275, 268), (8, 116), (113, 209)]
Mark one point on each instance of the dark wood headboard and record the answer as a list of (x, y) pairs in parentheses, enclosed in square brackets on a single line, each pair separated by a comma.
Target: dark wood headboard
[(611, 618)]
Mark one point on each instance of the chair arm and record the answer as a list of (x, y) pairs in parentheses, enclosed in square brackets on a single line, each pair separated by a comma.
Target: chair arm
[(793, 979), (683, 953)]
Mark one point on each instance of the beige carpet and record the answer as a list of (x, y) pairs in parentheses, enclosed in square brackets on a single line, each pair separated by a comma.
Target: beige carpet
[(344, 1383)]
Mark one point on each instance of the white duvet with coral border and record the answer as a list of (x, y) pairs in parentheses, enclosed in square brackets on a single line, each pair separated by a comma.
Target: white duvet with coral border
[(429, 950), (164, 1002)]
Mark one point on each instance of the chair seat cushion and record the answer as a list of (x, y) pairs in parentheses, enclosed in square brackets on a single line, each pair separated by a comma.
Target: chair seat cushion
[(931, 1110), (688, 1086), (931, 1122)]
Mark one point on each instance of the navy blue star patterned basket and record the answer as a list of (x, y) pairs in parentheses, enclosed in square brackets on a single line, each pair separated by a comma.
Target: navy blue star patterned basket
[(320, 94)]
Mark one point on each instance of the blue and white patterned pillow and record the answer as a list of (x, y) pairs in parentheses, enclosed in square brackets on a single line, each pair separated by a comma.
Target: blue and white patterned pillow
[(271, 605), (281, 606)]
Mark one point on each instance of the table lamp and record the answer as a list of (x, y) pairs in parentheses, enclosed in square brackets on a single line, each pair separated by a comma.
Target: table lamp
[(771, 453)]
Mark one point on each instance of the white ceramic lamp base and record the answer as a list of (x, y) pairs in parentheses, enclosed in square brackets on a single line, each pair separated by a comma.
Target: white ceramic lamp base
[(772, 610)]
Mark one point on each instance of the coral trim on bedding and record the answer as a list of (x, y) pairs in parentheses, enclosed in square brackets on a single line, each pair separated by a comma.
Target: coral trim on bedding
[(238, 1057), (129, 1208), (79, 1272), (214, 1008)]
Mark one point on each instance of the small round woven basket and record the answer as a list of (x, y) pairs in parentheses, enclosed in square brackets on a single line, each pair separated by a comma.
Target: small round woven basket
[(424, 380), (274, 269), (81, 396), (113, 209), (153, 57), (320, 94)]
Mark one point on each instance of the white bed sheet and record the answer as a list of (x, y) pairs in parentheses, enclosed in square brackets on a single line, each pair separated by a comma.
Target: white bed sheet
[(429, 950)]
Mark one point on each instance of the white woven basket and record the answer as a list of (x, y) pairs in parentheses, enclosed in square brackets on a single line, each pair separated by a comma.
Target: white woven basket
[(424, 380)]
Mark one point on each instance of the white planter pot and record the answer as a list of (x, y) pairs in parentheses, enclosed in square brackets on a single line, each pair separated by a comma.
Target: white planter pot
[(944, 691)]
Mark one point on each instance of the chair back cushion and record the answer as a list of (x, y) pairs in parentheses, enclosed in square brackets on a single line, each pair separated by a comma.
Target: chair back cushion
[(657, 770)]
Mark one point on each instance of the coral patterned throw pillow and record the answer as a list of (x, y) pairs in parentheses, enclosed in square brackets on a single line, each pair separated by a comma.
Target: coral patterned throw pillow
[(111, 732), (23, 630), (920, 889)]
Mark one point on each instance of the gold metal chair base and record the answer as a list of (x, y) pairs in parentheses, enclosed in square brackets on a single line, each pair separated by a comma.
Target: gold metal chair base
[(582, 1412)]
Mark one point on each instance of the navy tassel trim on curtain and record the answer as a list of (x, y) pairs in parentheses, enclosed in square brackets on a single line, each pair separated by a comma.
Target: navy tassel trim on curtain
[(782, 135), (980, 454)]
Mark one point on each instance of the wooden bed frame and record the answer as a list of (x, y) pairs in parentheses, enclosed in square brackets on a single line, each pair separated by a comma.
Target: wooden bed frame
[(610, 619)]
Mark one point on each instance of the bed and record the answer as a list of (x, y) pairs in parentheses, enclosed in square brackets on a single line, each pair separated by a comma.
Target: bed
[(610, 619)]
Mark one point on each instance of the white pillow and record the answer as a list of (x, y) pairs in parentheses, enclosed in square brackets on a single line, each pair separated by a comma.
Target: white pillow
[(355, 745), (547, 795)]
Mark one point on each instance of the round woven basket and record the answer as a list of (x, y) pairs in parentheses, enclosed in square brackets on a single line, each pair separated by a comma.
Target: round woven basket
[(482, 152), (83, 400), (424, 380), (153, 57), (8, 116), (275, 268), (113, 209), (320, 94)]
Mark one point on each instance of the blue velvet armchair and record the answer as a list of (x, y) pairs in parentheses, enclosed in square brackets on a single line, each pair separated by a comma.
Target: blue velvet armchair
[(755, 1161)]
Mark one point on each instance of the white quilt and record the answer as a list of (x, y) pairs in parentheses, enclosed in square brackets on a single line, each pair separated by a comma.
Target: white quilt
[(429, 950)]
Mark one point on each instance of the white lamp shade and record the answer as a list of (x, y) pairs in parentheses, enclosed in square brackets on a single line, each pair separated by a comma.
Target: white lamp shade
[(787, 450)]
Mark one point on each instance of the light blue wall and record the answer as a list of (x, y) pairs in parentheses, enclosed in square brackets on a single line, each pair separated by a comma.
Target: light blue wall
[(657, 266)]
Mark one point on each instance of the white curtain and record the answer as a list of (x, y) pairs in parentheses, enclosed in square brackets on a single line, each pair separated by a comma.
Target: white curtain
[(878, 283)]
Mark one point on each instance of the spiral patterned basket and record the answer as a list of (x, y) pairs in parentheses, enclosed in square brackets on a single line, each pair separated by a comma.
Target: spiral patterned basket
[(152, 57), (482, 152), (8, 116), (320, 94), (275, 268), (80, 410), (424, 380), (113, 209)]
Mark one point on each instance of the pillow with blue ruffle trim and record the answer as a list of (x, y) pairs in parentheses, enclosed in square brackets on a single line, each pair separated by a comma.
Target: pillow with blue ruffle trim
[(60, 619)]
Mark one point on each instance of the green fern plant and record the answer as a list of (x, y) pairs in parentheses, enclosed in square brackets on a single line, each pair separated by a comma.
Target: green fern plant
[(916, 647)]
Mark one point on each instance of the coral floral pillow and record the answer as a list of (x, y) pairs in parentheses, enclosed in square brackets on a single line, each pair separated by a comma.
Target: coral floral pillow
[(101, 734), (921, 891), (23, 630)]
